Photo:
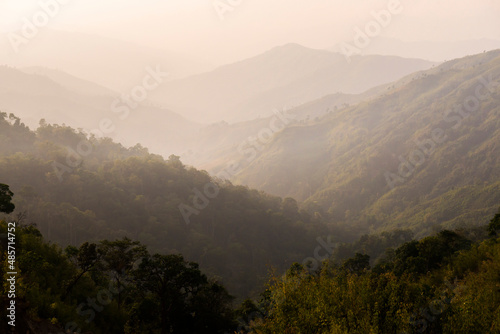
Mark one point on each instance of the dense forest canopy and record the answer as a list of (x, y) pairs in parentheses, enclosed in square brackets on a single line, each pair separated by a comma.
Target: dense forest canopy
[(110, 287), (440, 284), (115, 192), (446, 283)]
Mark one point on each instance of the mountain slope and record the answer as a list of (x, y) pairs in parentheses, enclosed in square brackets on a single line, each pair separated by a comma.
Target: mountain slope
[(348, 163), (284, 76), (114, 192), (435, 51), (70, 82), (112, 63), (61, 98), (216, 145)]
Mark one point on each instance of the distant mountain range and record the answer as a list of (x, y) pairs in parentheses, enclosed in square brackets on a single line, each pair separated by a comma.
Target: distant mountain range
[(433, 51), (112, 63), (70, 82), (250, 90), (38, 93), (412, 157), (288, 75)]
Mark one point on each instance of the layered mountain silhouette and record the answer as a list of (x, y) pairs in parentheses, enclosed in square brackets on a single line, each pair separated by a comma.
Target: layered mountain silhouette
[(59, 98), (110, 62), (288, 75)]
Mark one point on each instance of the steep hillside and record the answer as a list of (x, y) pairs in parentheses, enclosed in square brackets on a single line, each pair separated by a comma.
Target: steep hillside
[(217, 145), (113, 192), (284, 76), (414, 157)]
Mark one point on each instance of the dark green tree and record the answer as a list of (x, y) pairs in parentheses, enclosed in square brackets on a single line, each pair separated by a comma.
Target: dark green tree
[(357, 264), (86, 258), (408, 260), (118, 258), (494, 225), (182, 296), (6, 199)]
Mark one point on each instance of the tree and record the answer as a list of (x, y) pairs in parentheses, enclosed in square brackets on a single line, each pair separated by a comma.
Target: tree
[(358, 263), (182, 296), (86, 257), (290, 206), (5, 199), (494, 225), (175, 161), (408, 260), (118, 258)]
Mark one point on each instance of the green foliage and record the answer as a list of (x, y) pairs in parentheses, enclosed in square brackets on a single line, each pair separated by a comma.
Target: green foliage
[(357, 264), (182, 296), (79, 288), (374, 245), (6, 199), (116, 192), (494, 225), (428, 254), (85, 258), (476, 309), (440, 284)]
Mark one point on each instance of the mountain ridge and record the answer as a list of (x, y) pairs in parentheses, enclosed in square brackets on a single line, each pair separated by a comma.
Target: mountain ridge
[(33, 95), (340, 162), (285, 75)]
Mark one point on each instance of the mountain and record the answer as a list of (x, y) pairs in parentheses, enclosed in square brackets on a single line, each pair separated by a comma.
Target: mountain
[(414, 157), (70, 82), (114, 192), (39, 93), (112, 63), (432, 51), (215, 146), (288, 75)]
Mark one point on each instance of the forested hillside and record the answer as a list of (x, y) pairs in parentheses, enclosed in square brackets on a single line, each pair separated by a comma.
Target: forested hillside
[(441, 284), (249, 167), (111, 192), (446, 283), (106, 287), (425, 153)]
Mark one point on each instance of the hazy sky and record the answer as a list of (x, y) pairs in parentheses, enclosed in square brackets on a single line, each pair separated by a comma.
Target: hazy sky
[(194, 27)]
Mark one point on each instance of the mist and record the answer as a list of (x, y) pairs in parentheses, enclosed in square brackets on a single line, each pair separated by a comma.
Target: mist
[(234, 166)]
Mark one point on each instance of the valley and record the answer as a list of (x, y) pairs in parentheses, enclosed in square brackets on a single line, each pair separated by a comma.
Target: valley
[(231, 168)]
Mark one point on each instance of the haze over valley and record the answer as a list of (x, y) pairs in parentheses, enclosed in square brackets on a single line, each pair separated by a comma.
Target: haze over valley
[(249, 167)]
